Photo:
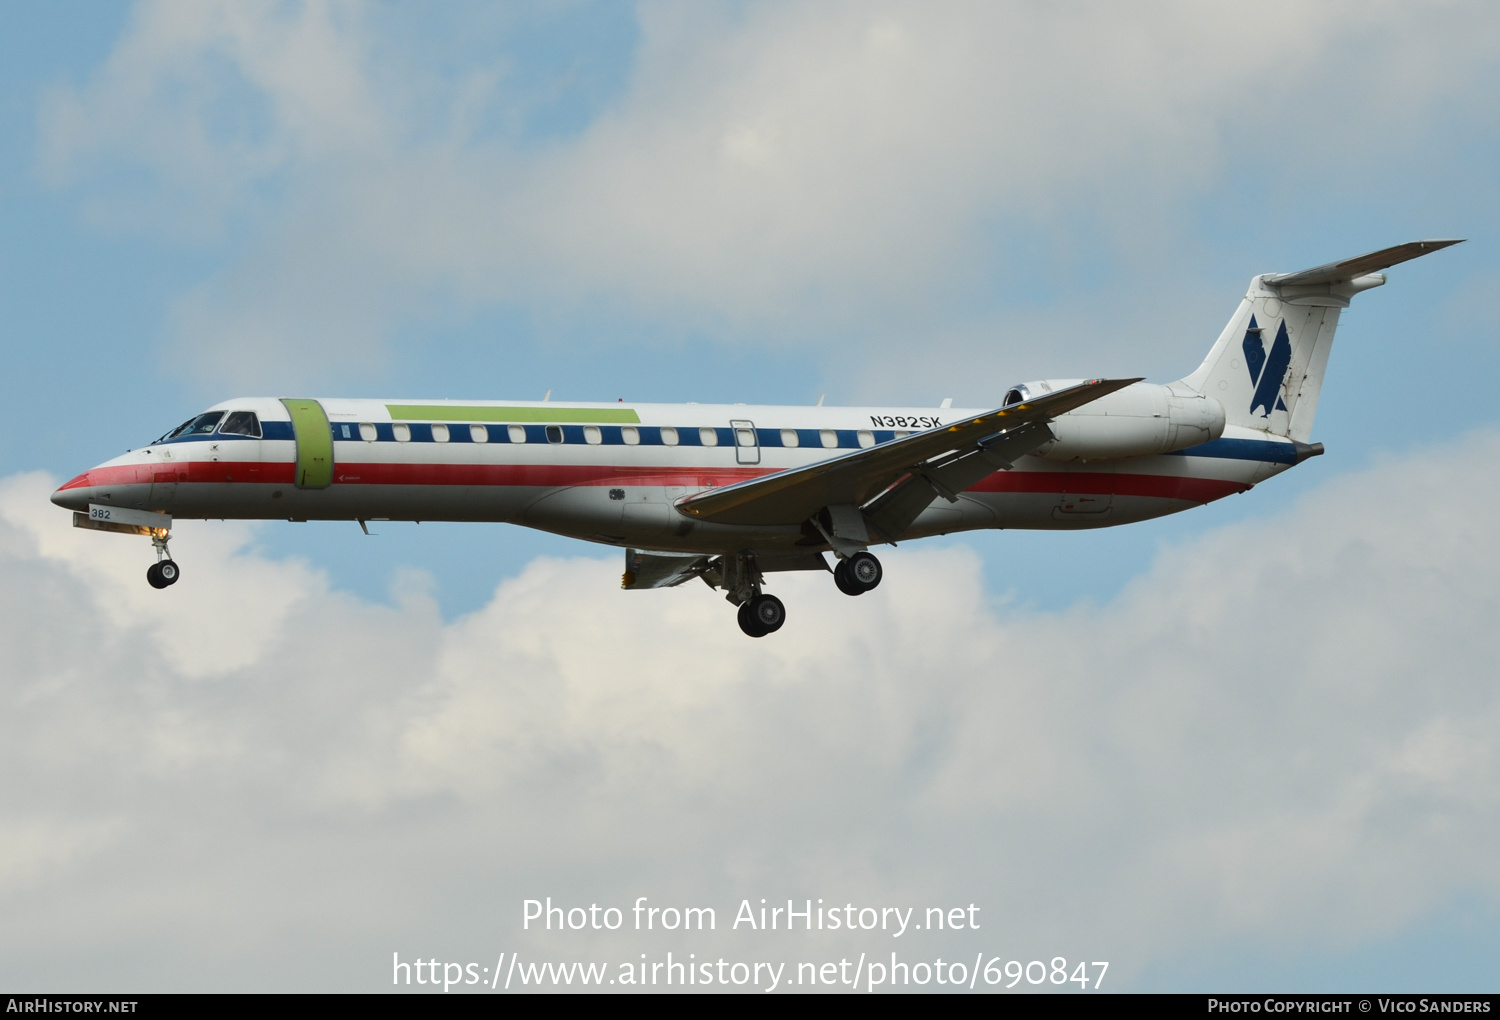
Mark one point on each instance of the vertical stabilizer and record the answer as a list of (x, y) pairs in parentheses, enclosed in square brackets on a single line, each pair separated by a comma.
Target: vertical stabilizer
[(1267, 366)]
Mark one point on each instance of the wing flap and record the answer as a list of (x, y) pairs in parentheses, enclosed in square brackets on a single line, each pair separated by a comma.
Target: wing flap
[(894, 510), (791, 497), (660, 570)]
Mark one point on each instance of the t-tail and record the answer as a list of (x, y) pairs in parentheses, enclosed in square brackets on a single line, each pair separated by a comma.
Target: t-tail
[(1267, 366)]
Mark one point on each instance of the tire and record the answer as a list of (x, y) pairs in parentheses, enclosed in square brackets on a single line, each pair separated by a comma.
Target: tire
[(864, 571), (748, 623), (154, 578), (841, 579), (169, 572), (768, 613)]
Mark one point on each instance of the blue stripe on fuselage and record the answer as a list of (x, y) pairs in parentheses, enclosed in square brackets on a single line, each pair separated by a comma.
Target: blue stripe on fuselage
[(610, 435)]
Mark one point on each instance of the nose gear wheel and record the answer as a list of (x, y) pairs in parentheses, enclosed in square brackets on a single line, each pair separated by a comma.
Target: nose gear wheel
[(163, 574)]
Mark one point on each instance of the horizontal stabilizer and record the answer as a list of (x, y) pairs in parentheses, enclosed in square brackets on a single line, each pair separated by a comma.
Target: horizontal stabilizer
[(1360, 265)]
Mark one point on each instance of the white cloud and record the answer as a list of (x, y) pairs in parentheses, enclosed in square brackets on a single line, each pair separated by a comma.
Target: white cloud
[(789, 171), (1279, 736), (213, 99)]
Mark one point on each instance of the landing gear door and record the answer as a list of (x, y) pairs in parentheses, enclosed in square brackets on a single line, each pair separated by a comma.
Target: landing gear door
[(746, 442), (163, 482), (314, 444)]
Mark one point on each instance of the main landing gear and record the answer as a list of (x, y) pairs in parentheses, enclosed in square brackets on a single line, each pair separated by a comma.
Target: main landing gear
[(759, 614), (857, 574), (762, 615), (164, 572)]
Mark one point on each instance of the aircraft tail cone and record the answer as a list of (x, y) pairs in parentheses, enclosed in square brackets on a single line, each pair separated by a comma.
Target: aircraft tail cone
[(1306, 450)]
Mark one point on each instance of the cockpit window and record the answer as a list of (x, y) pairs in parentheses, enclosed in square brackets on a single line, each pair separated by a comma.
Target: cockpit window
[(200, 426), (241, 423)]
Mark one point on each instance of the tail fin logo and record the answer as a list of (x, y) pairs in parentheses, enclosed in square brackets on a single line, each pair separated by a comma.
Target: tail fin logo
[(1267, 371)]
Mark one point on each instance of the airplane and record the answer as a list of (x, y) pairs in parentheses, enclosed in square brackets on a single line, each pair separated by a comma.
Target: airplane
[(731, 493)]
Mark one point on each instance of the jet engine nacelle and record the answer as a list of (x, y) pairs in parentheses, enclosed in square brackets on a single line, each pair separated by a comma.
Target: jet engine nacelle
[(1137, 421)]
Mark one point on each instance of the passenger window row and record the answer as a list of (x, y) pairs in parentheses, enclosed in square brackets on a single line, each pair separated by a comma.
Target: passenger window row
[(615, 435), (247, 424)]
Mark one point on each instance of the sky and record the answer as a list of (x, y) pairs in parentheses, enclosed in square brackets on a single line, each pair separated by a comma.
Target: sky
[(1248, 747)]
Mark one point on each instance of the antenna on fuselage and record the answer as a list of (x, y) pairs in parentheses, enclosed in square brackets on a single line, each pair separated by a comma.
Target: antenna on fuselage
[(547, 397), (820, 398)]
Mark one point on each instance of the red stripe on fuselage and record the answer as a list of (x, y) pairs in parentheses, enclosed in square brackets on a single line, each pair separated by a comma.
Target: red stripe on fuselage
[(540, 475), (1180, 487), (190, 471)]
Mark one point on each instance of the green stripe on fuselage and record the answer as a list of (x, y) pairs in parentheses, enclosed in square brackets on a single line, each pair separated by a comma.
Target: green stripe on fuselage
[(451, 412), (314, 444)]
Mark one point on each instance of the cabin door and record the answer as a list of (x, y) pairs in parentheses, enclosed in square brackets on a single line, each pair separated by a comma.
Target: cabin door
[(314, 444)]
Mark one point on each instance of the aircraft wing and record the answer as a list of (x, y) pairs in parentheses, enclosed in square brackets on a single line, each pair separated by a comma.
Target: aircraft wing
[(1360, 265), (791, 497)]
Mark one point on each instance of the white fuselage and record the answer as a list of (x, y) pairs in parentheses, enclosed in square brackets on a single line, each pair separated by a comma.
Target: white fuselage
[(611, 473)]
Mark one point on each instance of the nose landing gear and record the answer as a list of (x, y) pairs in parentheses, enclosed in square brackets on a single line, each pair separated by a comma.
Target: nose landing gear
[(152, 524), (858, 574), (160, 575), (164, 572)]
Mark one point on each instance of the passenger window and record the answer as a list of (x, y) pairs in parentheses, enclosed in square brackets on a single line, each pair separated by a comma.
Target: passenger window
[(591, 435), (517, 433), (346, 432), (554, 434), (668, 436), (440, 433), (902, 435), (866, 438), (708, 437), (631, 435), (241, 423), (403, 433), (829, 437), (788, 437), (479, 434), (745, 437), (368, 432)]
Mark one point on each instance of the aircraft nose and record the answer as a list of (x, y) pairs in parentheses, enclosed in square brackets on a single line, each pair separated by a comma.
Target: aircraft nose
[(74, 495)]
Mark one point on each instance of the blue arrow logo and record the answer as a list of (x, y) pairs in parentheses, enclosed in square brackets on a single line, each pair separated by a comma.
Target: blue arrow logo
[(1267, 372)]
